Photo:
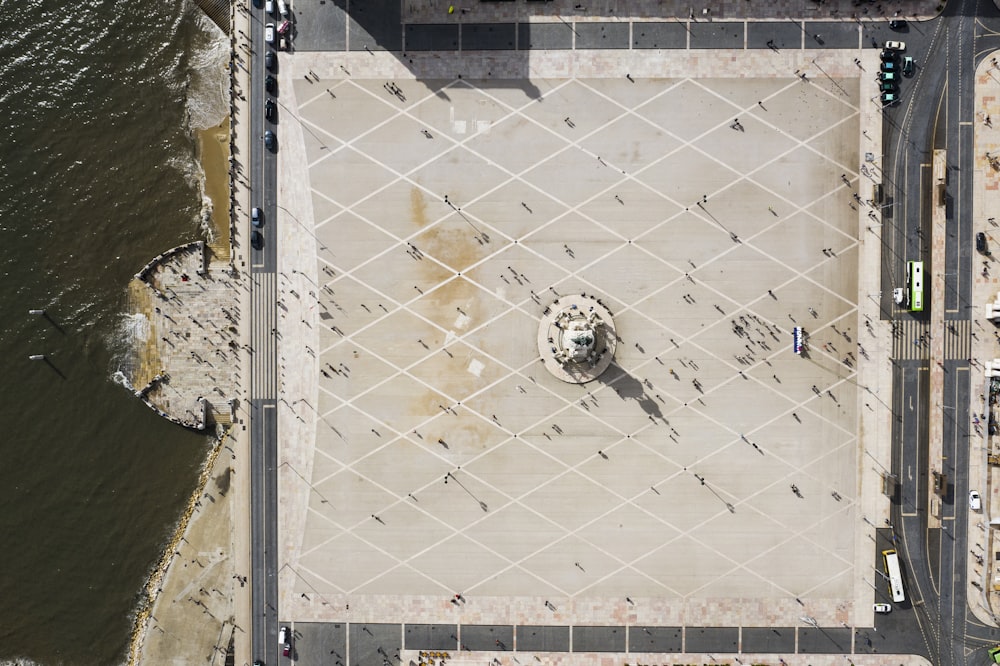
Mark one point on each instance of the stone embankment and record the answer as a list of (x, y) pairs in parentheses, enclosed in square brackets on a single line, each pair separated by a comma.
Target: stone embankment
[(187, 368)]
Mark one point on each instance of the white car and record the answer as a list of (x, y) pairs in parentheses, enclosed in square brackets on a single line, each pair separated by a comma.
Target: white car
[(895, 46), (269, 33), (882, 608), (283, 635), (975, 503)]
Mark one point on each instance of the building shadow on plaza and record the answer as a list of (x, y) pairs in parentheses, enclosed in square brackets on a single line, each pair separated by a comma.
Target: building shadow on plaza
[(630, 388)]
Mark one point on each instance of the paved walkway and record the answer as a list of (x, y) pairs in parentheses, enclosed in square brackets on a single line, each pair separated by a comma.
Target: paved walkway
[(984, 599), (429, 11), (357, 293)]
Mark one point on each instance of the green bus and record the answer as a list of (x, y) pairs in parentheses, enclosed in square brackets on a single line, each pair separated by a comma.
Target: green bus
[(912, 296)]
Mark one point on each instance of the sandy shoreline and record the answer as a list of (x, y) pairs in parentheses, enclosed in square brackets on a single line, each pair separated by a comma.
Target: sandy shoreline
[(213, 155)]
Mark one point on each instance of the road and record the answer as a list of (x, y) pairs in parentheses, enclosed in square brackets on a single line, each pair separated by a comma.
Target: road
[(937, 112), (262, 166)]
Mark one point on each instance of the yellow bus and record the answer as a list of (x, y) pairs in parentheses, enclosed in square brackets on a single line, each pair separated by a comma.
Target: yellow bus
[(891, 561)]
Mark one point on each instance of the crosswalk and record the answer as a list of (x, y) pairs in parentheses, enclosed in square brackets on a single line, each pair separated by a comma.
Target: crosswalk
[(912, 340), (909, 340), (263, 374), (958, 339)]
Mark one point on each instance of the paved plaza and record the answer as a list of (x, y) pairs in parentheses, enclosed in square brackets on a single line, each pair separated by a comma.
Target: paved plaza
[(436, 456)]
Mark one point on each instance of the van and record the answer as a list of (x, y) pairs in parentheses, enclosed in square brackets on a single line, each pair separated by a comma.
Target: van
[(269, 33), (269, 7)]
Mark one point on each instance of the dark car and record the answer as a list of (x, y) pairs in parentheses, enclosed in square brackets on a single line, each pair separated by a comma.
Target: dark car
[(270, 84), (981, 244), (889, 66), (887, 86), (256, 239), (270, 60), (908, 66), (897, 24), (270, 110), (887, 56), (270, 141)]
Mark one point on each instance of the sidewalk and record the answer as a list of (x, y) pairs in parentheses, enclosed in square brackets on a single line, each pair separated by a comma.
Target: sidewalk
[(983, 599), (431, 11)]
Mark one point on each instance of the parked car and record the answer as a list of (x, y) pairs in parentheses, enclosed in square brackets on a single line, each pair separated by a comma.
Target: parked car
[(269, 7), (895, 46), (887, 76), (270, 84), (882, 608), (270, 141), (981, 245), (907, 66), (888, 98), (269, 33), (975, 503), (897, 24), (283, 635), (256, 240), (270, 60), (270, 110), (886, 54), (256, 217), (887, 86)]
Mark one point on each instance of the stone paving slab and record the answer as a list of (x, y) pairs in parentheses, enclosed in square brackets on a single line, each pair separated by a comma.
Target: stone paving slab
[(489, 36), (544, 36), (542, 639), (655, 639), (599, 639), (711, 639), (659, 35), (602, 36), (485, 638), (767, 640), (430, 637), (432, 37)]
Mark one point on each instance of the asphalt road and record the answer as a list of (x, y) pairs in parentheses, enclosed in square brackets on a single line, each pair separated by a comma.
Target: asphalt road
[(262, 167), (936, 113)]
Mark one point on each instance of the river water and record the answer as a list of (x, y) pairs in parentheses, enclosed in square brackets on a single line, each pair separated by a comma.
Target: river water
[(98, 174)]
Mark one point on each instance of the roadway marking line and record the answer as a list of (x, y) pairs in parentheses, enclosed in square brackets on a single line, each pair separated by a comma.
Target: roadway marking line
[(909, 515)]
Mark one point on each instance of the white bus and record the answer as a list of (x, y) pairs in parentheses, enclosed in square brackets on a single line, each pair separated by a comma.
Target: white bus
[(891, 561)]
